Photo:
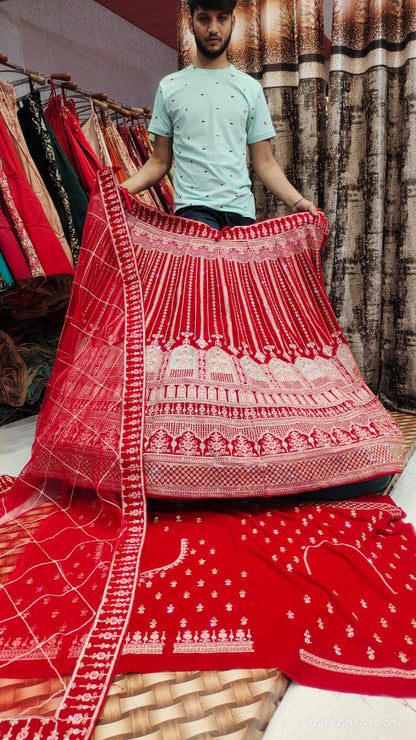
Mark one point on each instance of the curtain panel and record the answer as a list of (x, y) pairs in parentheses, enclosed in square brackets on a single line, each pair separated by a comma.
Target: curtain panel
[(370, 259), (281, 43)]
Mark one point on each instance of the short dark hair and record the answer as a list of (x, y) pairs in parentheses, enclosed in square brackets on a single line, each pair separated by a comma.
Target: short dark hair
[(225, 5)]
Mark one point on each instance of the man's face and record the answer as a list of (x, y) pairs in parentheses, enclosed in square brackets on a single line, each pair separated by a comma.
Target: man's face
[(212, 30)]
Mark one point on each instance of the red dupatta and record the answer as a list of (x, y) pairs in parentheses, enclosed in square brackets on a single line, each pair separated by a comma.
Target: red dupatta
[(66, 606)]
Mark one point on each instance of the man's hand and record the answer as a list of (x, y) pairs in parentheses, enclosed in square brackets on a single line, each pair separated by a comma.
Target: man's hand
[(304, 206)]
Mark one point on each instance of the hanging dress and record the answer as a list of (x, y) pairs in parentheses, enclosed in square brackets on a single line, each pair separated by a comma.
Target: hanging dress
[(124, 133), (8, 111), (63, 118), (121, 161), (47, 247), (10, 247), (57, 173), (128, 166), (144, 149), (6, 277), (92, 131), (12, 214)]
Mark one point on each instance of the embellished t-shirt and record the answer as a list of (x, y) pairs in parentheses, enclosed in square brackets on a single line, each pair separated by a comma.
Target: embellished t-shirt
[(212, 114)]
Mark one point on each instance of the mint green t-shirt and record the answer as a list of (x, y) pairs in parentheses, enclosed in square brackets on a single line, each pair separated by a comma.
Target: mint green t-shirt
[(212, 114)]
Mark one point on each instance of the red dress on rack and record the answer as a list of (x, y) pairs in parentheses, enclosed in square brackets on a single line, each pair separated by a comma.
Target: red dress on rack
[(64, 121), (10, 247), (45, 242)]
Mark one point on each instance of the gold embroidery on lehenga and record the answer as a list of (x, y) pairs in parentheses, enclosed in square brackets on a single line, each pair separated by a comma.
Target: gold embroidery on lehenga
[(206, 641), (329, 665), (149, 642), (183, 553)]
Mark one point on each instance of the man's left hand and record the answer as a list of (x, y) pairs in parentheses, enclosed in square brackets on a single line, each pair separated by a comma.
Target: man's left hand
[(305, 206)]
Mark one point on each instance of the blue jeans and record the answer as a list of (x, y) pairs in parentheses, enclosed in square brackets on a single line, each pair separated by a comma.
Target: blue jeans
[(216, 219)]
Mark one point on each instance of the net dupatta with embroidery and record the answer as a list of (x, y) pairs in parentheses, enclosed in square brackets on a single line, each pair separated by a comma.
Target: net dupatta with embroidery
[(250, 390), (64, 609)]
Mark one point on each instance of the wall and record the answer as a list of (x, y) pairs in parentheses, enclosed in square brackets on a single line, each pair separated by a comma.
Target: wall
[(103, 53)]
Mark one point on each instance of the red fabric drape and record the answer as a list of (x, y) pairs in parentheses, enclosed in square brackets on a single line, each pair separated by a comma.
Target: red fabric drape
[(64, 121), (65, 611), (46, 244), (310, 589), (11, 249)]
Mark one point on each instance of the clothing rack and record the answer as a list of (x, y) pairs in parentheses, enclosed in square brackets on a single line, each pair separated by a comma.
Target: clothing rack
[(124, 145), (99, 99), (35, 76), (49, 171)]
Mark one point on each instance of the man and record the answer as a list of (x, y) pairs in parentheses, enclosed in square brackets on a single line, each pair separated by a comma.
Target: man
[(204, 117)]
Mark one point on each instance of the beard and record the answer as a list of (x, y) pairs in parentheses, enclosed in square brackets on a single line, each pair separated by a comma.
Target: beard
[(211, 53)]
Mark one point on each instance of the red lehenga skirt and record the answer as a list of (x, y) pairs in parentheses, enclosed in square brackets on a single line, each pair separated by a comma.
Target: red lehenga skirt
[(202, 366)]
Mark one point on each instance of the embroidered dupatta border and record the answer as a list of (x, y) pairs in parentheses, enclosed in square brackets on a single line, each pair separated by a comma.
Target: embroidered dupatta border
[(88, 686)]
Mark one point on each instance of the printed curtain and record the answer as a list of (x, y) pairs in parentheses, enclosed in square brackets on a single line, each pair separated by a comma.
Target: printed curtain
[(281, 43), (370, 257)]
